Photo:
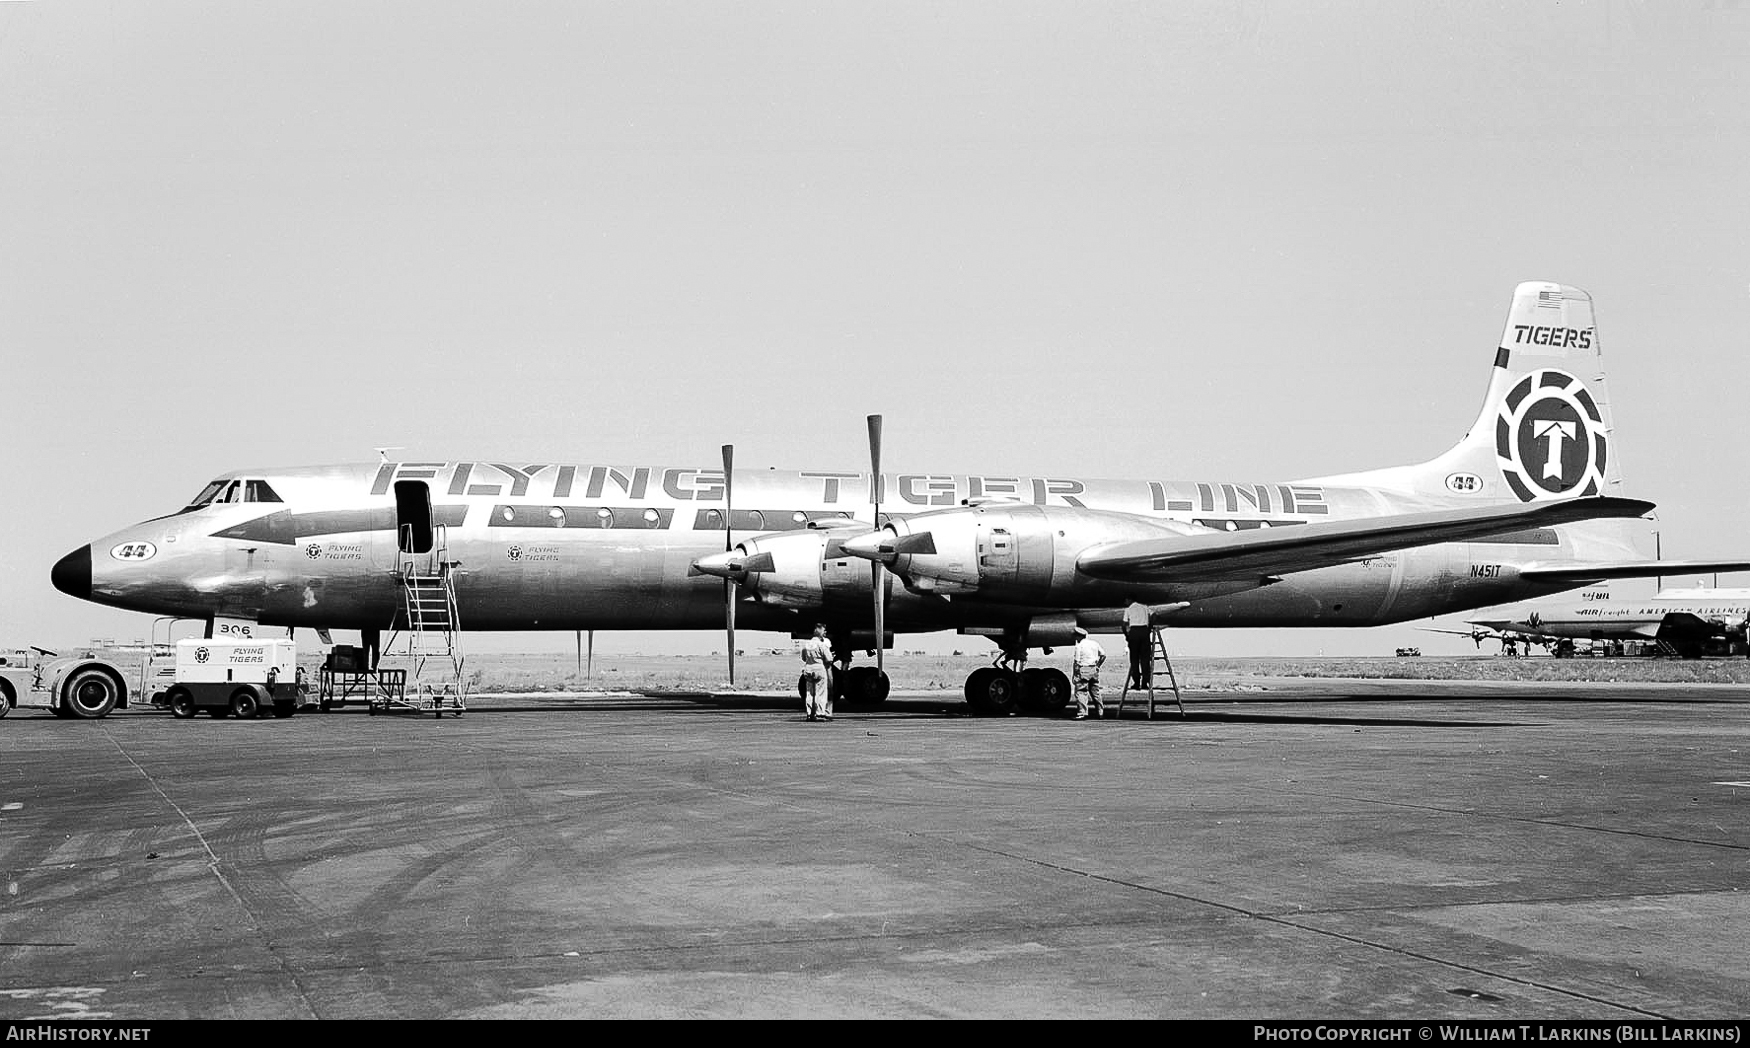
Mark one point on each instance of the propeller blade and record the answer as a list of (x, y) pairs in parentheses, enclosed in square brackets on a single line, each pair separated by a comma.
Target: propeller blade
[(729, 544), (877, 571), (728, 495)]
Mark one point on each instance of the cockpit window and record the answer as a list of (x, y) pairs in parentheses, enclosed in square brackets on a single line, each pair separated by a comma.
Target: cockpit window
[(222, 492), (206, 495)]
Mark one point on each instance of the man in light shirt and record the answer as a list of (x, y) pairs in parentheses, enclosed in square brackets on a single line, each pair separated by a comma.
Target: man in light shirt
[(816, 668), (1085, 671), (1137, 637)]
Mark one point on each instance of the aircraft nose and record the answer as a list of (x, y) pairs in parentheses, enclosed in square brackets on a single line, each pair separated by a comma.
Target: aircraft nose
[(72, 573)]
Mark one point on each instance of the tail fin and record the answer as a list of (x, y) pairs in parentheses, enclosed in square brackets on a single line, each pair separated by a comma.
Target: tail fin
[(1544, 431)]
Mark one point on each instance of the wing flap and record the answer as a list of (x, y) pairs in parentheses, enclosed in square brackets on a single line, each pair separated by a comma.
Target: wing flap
[(1275, 551)]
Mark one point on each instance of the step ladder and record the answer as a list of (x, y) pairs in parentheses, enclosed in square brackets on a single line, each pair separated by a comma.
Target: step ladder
[(435, 679), (1160, 661)]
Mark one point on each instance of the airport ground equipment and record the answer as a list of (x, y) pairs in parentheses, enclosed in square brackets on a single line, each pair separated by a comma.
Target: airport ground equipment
[(241, 677), (1161, 661), (431, 627), (346, 676), (80, 687)]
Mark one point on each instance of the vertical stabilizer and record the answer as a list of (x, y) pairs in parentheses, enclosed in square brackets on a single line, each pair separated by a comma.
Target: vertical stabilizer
[(1545, 430)]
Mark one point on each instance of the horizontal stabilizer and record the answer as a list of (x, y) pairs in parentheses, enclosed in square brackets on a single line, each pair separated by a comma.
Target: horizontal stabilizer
[(1579, 574), (1277, 551)]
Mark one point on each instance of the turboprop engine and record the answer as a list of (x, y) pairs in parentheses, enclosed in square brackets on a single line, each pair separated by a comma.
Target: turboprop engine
[(1008, 552), (806, 569)]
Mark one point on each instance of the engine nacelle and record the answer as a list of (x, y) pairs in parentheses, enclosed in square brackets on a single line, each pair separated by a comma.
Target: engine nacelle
[(1012, 552), (808, 570)]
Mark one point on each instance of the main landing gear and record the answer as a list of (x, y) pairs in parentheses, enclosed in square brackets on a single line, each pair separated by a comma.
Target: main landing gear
[(857, 685), (1007, 687)]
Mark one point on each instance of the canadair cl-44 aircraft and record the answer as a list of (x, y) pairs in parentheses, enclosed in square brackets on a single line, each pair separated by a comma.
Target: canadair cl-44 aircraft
[(1529, 503)]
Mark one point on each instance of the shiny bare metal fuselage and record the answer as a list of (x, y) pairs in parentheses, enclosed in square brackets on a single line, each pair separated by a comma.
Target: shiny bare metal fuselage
[(561, 546)]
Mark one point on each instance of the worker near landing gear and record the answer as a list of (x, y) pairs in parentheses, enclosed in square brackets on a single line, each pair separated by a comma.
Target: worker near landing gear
[(1136, 636), (1085, 670), (815, 681)]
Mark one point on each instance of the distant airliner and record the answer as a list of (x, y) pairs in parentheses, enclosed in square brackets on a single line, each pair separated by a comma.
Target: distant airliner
[(1528, 503), (1688, 622)]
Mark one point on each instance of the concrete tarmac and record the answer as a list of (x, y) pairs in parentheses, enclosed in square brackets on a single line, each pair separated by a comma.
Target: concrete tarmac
[(1314, 849)]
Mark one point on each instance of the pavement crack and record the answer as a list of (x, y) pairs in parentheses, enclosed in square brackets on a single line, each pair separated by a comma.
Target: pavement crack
[(215, 866)]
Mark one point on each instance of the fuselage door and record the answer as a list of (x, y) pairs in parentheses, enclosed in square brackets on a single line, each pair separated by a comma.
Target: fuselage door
[(413, 531)]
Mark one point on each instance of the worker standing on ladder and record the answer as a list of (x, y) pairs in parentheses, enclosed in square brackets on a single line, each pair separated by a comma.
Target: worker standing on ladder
[(1142, 653)]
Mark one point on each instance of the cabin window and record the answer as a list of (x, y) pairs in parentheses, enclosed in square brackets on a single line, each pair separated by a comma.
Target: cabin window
[(557, 516), (651, 516), (604, 517)]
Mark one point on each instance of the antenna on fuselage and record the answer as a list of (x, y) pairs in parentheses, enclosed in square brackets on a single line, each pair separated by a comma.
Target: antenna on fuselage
[(383, 453)]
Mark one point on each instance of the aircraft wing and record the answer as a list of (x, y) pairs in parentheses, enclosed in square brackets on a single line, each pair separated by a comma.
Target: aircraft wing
[(1279, 551), (1578, 574)]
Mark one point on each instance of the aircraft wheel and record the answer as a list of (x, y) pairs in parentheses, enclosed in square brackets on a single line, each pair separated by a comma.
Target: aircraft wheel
[(875, 692), (1055, 692), (977, 685), (181, 703), (1044, 692), (864, 686), (91, 694), (244, 704), (1002, 693)]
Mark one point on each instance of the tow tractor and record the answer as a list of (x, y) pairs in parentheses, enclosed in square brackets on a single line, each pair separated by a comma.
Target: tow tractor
[(241, 677), (83, 687)]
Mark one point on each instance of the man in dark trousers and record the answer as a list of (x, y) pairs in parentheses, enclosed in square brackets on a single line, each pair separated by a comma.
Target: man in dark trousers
[(1140, 641)]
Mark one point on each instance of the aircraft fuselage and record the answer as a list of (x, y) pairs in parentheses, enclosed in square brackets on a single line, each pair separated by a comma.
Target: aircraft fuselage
[(567, 547)]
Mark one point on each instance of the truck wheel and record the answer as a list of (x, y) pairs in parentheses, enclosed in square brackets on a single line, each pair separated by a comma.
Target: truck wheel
[(244, 704), (91, 694), (7, 698), (181, 703)]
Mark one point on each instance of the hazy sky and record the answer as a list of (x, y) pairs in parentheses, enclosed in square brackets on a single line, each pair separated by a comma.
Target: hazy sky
[(1182, 240)]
